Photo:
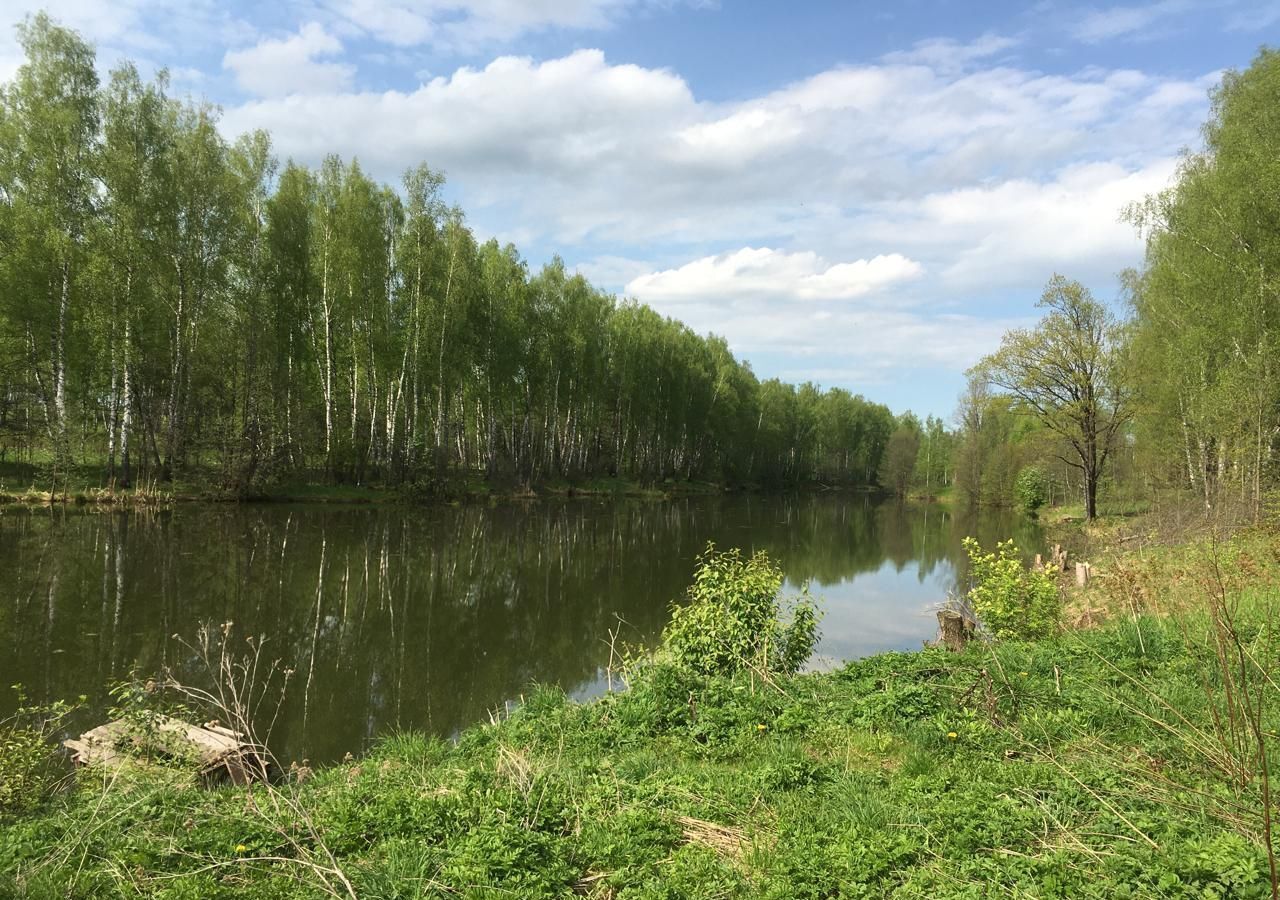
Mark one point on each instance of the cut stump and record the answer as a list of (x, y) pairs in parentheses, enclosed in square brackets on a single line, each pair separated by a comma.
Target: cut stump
[(1058, 558), (955, 629), (217, 754), (1084, 572)]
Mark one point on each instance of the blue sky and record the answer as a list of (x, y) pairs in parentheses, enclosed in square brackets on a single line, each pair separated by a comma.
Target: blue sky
[(862, 194)]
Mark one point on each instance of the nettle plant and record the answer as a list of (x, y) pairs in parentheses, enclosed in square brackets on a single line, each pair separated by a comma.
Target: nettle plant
[(1010, 600), (735, 619)]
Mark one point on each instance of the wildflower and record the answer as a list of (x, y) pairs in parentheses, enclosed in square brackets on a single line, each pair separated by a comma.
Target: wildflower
[(241, 848), (761, 727), (1023, 674), (951, 735)]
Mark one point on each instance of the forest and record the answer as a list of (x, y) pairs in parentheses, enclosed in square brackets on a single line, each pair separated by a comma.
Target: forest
[(177, 305), (174, 304)]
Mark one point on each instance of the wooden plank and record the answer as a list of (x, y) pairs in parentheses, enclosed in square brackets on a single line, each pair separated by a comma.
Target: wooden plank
[(216, 752)]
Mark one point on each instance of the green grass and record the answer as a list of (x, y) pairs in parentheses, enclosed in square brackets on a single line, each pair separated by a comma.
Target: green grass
[(905, 775)]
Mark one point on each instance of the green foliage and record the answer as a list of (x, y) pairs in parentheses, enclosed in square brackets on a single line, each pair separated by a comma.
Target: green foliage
[(898, 470), (1011, 600), (141, 704), (734, 619), (986, 456), (863, 782), (29, 763), (1206, 330), (1032, 489), (165, 287), (1067, 374)]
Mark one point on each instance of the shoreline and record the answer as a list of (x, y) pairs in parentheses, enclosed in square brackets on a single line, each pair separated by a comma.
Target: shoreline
[(381, 495), (1018, 766)]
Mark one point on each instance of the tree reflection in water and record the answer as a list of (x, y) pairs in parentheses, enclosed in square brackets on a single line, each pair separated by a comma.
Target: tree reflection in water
[(407, 617)]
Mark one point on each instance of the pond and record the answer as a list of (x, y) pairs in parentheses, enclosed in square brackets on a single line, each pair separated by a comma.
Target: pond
[(428, 618)]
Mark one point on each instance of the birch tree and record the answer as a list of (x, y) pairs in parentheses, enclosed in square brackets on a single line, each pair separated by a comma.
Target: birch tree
[(51, 135)]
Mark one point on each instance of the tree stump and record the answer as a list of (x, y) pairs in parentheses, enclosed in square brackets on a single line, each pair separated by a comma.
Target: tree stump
[(955, 630), (1058, 558), (1083, 572)]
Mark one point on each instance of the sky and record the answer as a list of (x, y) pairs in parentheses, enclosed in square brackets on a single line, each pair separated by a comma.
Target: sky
[(865, 195)]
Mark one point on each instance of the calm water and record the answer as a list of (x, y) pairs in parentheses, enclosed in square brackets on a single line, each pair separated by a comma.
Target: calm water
[(428, 618)]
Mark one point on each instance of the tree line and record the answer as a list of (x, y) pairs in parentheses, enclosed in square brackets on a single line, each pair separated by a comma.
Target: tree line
[(1180, 396), (176, 304), (173, 303)]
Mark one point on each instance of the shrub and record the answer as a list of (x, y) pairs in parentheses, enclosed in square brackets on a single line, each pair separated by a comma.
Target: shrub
[(29, 769), (1031, 489), (734, 619), (1010, 600)]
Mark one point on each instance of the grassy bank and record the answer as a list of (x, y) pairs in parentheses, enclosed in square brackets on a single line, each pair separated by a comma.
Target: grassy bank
[(1101, 762)]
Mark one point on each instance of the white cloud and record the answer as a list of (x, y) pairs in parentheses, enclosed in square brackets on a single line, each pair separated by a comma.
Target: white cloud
[(1125, 21), (468, 24), (844, 323), (863, 340), (773, 275), (584, 150), (281, 67), (948, 54), (1017, 232)]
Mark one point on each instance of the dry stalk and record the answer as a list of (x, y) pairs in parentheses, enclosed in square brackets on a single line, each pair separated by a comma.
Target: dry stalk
[(242, 686), (726, 840)]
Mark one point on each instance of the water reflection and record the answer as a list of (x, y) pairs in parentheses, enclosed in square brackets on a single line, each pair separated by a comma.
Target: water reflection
[(430, 617)]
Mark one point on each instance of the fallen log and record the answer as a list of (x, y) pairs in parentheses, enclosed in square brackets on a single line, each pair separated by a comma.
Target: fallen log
[(217, 754)]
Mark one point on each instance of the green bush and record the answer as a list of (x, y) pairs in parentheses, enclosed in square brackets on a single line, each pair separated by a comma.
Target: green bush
[(1009, 599), (29, 769), (1031, 489), (734, 619)]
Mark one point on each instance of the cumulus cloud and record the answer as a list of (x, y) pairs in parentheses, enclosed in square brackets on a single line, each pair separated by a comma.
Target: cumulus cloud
[(843, 343), (583, 149), (774, 275), (843, 323), (292, 65), (1015, 231)]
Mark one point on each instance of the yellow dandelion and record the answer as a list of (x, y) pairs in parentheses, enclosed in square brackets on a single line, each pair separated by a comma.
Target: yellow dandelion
[(1023, 674), (951, 735), (241, 848), (761, 727)]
